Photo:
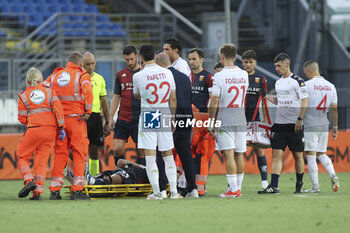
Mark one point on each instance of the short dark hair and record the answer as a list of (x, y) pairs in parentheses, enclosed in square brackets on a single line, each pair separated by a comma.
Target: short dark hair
[(147, 51), (228, 50), (311, 64), (218, 65), (174, 43), (249, 54), (129, 50), (199, 52), (281, 57)]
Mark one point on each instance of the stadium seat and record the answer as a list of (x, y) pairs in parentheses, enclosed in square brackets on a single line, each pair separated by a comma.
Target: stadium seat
[(78, 2), (91, 8), (78, 9), (2, 33), (6, 8), (49, 9), (102, 18), (34, 20)]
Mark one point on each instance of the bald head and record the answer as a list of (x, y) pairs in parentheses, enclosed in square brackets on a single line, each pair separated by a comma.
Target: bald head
[(89, 62), (163, 60), (76, 58), (89, 55)]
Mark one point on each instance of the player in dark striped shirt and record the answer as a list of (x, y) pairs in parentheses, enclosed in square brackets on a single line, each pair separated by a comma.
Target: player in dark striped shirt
[(129, 107)]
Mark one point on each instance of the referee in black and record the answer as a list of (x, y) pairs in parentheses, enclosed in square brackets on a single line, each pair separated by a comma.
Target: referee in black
[(94, 123), (182, 135)]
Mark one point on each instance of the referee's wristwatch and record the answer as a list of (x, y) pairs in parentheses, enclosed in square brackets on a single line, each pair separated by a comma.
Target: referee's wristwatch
[(300, 118)]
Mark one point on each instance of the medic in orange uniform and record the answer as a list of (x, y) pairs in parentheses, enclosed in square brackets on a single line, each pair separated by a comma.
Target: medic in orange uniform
[(37, 107), (74, 89)]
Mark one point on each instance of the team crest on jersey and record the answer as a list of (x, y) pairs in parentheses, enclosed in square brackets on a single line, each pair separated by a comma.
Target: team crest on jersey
[(64, 79), (37, 96), (201, 78), (257, 80)]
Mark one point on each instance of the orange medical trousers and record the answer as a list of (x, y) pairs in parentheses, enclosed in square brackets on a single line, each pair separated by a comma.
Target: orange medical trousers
[(203, 147), (39, 140), (77, 141)]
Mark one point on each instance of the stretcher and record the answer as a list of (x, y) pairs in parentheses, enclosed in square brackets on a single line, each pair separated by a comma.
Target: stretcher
[(118, 190)]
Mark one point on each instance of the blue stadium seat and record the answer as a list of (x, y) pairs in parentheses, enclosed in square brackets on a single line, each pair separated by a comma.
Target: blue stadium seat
[(102, 18), (78, 2), (67, 3), (115, 26), (6, 8), (34, 20), (118, 32), (91, 8), (2, 33), (49, 9), (77, 18), (102, 26), (78, 9)]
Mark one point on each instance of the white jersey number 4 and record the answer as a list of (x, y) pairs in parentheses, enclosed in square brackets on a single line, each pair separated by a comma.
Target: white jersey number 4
[(322, 106)]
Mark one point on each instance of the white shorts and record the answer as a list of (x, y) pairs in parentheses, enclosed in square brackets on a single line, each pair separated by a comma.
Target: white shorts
[(229, 138), (316, 138), (150, 139)]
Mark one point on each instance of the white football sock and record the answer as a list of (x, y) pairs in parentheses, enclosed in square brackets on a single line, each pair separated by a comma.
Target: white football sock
[(240, 180), (232, 182), (313, 170), (327, 163), (152, 173), (170, 171)]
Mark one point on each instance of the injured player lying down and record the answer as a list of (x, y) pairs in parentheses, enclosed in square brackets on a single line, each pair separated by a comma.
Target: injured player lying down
[(127, 172)]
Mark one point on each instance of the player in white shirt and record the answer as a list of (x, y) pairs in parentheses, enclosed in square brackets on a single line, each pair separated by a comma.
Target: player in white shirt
[(156, 87), (292, 102), (322, 96), (228, 102), (173, 47)]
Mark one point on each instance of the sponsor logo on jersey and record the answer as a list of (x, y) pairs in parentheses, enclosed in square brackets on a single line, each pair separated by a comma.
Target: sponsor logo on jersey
[(127, 86), (197, 88), (64, 79), (201, 78), (257, 80), (37, 96), (283, 92), (304, 90)]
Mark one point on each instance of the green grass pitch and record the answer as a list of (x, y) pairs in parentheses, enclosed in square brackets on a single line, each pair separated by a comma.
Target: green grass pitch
[(325, 212)]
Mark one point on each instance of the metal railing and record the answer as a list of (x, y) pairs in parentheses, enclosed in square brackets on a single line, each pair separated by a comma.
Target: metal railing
[(13, 28), (341, 29), (158, 4), (59, 35)]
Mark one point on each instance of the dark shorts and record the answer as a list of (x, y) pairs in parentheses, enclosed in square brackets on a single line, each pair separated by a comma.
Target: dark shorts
[(95, 129), (283, 135), (124, 129)]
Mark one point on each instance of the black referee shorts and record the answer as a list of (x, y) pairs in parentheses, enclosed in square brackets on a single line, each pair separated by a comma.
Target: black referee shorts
[(95, 129), (283, 135)]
